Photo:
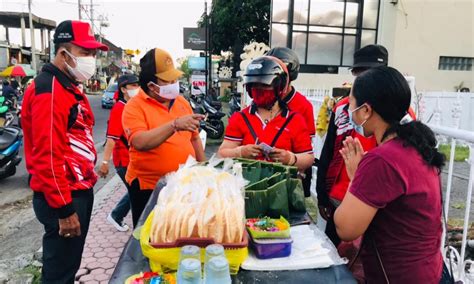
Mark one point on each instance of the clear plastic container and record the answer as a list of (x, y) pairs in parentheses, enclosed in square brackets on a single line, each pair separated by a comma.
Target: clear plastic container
[(190, 252), (271, 248), (213, 251), (189, 271), (217, 271)]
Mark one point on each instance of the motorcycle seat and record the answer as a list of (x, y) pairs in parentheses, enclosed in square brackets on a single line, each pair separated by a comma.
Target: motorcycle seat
[(8, 136), (217, 105), (219, 115)]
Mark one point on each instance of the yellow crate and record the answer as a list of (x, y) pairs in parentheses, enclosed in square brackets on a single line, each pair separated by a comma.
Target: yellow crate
[(166, 259)]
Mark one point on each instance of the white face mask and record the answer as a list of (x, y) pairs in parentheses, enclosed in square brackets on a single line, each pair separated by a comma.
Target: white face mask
[(359, 128), (133, 92), (85, 67), (169, 92)]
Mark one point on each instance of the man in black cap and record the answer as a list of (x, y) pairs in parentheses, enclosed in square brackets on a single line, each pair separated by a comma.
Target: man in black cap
[(128, 87), (332, 181), (60, 155), (369, 56)]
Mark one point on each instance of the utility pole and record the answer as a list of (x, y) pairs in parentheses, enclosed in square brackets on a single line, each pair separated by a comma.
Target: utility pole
[(207, 47), (79, 9), (209, 35), (92, 17), (32, 32)]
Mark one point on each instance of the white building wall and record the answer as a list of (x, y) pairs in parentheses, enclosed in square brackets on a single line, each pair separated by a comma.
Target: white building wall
[(416, 33)]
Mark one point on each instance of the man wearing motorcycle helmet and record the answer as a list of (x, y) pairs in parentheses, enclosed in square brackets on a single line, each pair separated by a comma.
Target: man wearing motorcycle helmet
[(267, 129), (294, 99)]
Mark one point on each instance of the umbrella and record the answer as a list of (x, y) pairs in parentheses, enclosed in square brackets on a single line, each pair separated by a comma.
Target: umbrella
[(18, 71)]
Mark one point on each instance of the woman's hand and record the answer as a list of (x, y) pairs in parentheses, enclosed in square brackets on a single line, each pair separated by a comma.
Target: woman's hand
[(250, 151), (281, 156), (352, 153)]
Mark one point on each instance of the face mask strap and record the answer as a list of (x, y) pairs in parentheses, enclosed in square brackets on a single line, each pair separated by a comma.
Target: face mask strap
[(73, 57), (357, 108), (154, 84)]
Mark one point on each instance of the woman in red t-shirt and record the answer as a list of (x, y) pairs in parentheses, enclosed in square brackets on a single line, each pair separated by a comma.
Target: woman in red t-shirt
[(394, 199), (118, 145), (267, 130)]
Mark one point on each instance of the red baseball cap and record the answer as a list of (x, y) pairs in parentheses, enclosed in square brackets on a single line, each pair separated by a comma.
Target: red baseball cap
[(78, 33)]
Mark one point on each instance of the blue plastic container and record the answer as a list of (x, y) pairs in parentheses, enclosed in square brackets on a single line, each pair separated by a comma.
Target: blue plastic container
[(271, 248)]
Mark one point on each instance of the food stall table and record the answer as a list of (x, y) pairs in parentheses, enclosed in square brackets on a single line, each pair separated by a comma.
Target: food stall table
[(132, 262)]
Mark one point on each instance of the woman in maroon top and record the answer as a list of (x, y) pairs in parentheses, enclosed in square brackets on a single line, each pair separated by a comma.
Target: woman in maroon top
[(394, 199)]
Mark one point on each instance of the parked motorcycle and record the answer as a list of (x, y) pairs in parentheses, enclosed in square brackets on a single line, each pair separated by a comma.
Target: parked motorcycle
[(209, 98), (7, 112), (213, 124), (234, 103), (10, 143), (18, 106)]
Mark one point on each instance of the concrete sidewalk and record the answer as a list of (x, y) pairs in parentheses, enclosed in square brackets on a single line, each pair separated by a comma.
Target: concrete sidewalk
[(104, 244)]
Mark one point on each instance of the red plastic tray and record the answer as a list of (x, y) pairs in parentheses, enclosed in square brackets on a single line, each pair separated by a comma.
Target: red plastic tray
[(201, 242)]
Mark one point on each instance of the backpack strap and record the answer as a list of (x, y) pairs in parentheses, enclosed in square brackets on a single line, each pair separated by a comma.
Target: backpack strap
[(277, 136), (247, 121)]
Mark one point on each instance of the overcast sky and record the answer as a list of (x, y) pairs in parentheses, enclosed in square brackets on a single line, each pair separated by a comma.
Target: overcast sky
[(133, 24)]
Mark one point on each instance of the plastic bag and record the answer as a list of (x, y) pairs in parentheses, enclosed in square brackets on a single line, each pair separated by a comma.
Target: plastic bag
[(200, 201)]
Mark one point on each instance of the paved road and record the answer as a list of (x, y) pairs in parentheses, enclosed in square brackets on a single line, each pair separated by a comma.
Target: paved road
[(15, 188)]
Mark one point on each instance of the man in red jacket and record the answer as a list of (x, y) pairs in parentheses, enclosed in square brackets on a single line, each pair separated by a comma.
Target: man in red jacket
[(333, 181), (57, 121)]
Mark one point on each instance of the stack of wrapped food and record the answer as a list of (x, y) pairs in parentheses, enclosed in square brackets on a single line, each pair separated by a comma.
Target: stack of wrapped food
[(200, 205)]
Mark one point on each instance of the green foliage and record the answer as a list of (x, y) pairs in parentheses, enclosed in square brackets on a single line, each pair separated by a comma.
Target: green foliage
[(238, 20), (226, 97), (33, 270), (185, 68), (460, 155), (458, 205)]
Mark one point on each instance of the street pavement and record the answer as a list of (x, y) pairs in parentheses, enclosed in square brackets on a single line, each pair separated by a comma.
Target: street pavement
[(15, 188), (20, 232)]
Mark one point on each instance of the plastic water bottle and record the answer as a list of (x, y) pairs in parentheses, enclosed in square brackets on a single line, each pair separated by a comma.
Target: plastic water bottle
[(190, 252), (189, 271), (217, 271), (213, 251)]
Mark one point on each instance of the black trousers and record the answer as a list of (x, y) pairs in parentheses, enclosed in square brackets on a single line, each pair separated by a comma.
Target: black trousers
[(62, 256), (138, 200), (122, 171)]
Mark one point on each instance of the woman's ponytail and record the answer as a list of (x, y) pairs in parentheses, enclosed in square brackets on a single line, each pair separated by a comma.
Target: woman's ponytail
[(419, 136)]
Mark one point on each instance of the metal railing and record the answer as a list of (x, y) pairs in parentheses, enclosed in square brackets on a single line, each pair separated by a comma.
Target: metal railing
[(458, 258)]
